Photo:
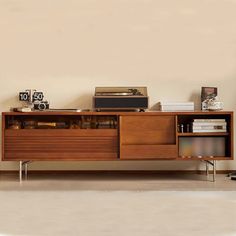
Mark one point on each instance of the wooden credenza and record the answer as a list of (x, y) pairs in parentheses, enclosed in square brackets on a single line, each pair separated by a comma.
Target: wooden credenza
[(120, 136)]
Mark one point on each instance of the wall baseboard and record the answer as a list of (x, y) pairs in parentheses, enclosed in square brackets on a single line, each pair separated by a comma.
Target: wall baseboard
[(111, 172)]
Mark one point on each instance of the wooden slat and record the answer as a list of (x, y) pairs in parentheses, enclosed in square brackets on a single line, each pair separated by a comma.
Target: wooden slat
[(61, 132), (57, 156)]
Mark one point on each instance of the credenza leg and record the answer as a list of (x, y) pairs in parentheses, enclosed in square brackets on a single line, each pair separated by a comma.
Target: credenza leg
[(214, 170), (207, 169), (20, 171), (213, 164), (26, 170), (23, 166)]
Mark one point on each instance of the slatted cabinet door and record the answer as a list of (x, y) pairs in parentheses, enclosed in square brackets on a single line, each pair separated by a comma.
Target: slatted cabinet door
[(41, 145), (148, 137)]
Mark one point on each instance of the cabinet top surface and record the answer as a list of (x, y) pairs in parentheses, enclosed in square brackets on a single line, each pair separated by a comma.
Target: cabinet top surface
[(133, 113)]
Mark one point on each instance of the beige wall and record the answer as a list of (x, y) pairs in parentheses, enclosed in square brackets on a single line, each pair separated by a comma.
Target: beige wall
[(67, 47)]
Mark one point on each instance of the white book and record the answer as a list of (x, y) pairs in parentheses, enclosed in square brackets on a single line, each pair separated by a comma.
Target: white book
[(209, 131), (208, 123), (215, 127), (209, 120)]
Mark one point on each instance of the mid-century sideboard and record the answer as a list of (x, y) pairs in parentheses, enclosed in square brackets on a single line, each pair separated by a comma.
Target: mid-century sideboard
[(113, 136)]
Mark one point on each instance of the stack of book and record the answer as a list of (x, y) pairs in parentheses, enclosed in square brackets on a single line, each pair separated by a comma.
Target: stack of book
[(209, 125)]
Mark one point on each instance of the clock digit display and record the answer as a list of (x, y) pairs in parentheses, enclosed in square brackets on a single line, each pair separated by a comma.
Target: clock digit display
[(38, 96), (24, 96)]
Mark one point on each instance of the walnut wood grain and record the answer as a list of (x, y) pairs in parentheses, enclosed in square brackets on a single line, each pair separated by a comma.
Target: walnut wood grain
[(149, 137), (118, 113), (61, 144), (61, 132), (148, 130), (148, 152), (139, 136)]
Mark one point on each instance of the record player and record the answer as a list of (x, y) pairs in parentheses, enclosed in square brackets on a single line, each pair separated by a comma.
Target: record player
[(120, 98)]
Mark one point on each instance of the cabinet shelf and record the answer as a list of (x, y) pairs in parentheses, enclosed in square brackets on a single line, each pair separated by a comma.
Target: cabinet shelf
[(203, 134), (192, 158)]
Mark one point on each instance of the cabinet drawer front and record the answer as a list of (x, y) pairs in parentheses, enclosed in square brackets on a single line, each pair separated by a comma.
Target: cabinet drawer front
[(59, 146), (139, 152), (148, 130)]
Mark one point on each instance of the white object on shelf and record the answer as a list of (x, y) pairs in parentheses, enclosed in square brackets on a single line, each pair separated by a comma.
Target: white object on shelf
[(211, 125), (209, 130), (177, 106), (208, 120)]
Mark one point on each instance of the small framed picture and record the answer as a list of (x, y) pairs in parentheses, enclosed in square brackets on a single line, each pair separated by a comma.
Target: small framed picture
[(207, 93)]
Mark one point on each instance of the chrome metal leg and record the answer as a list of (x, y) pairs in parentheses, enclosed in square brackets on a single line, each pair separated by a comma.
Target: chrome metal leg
[(213, 164), (26, 170), (207, 169), (214, 170), (20, 171), (23, 166)]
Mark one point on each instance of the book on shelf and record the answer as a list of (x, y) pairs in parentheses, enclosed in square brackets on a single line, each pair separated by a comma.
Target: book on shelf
[(209, 130), (209, 123), (211, 127), (209, 120)]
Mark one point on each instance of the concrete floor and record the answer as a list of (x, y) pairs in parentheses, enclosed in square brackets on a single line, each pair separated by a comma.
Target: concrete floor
[(111, 204), (112, 181)]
